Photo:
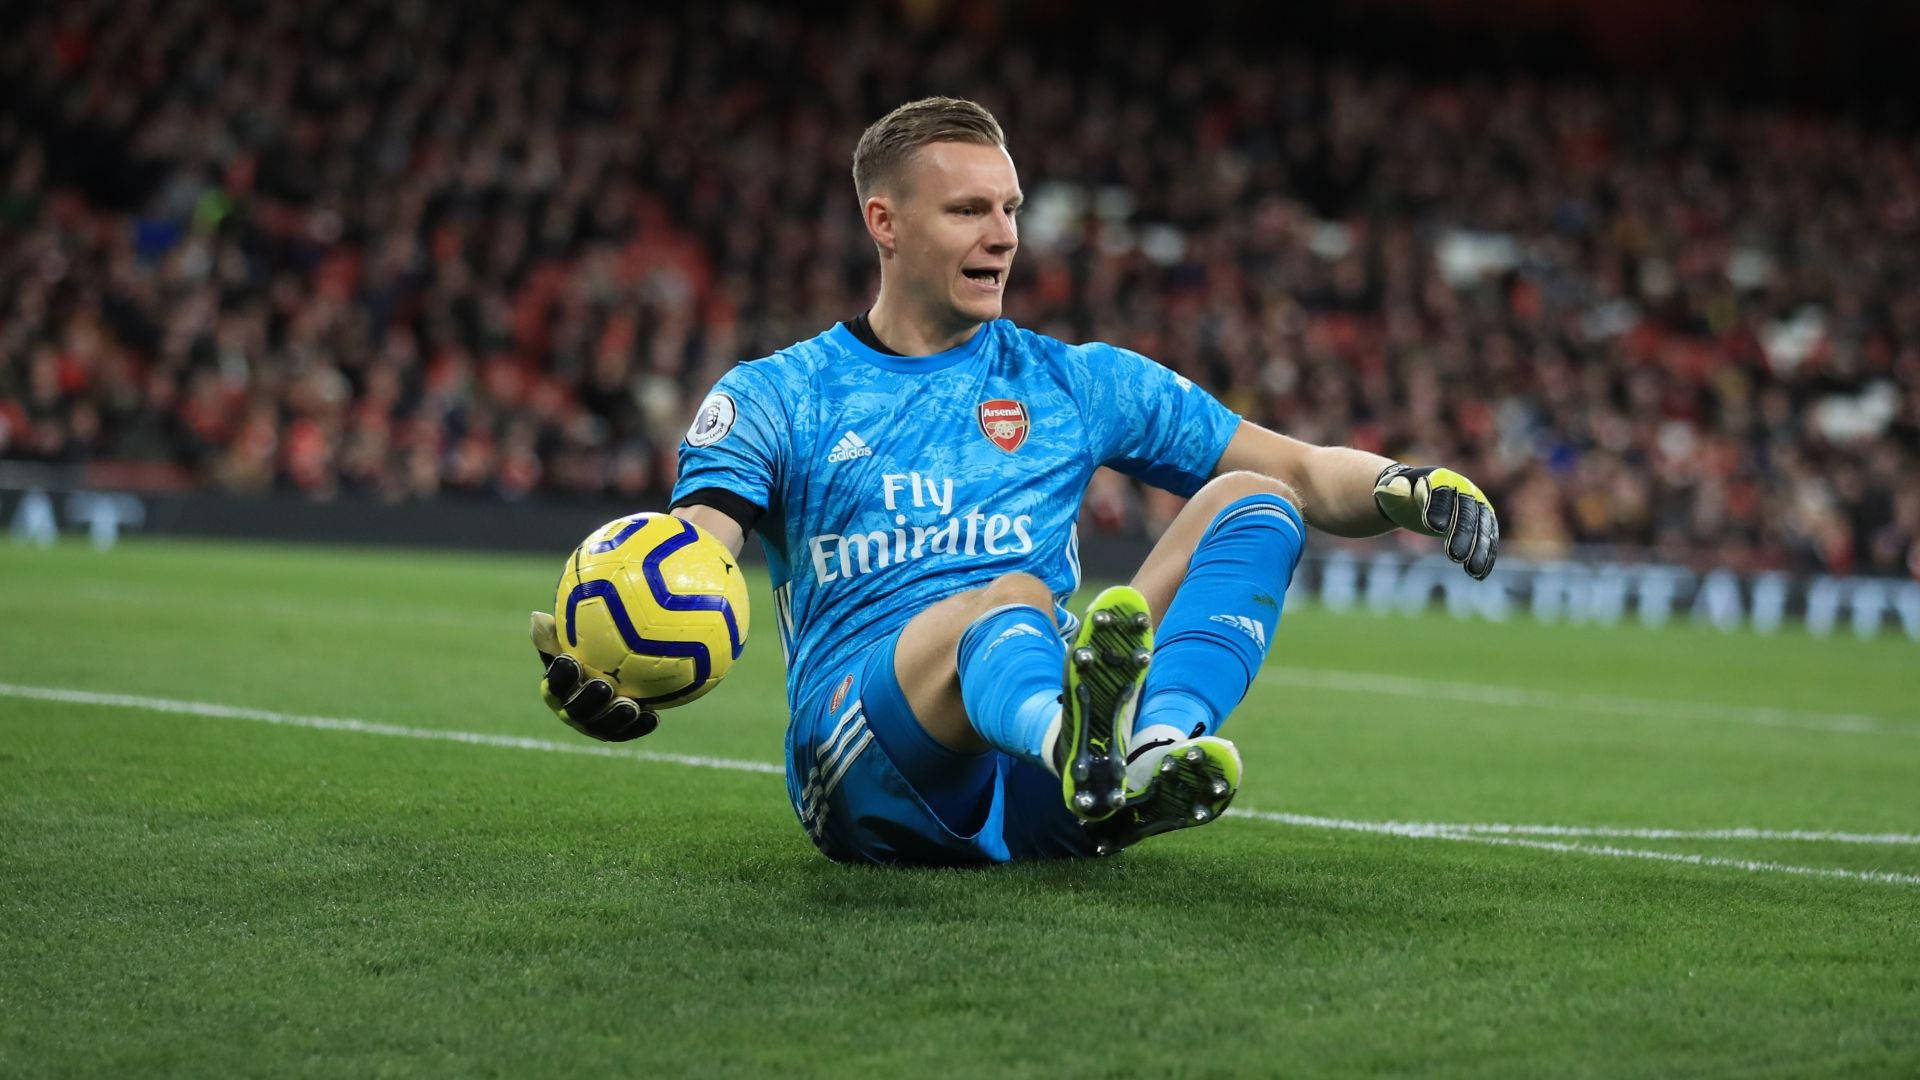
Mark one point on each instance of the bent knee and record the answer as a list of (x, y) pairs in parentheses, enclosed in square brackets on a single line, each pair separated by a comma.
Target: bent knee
[(1224, 489), (1017, 588)]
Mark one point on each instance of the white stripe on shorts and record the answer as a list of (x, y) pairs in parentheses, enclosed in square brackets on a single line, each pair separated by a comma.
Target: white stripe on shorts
[(838, 752)]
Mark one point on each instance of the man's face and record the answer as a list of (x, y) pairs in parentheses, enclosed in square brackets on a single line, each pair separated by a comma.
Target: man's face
[(954, 230)]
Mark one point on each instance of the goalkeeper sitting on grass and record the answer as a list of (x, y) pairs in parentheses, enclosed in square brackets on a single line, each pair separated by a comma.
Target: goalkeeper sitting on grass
[(915, 475)]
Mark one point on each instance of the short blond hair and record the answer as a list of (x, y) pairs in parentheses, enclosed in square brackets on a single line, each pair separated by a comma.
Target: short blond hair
[(890, 141)]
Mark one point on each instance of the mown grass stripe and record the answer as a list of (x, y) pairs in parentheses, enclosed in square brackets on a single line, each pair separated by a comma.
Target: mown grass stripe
[(1496, 834), (1366, 682)]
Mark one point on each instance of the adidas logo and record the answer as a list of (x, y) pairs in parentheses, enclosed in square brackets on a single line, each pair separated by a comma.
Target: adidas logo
[(1246, 626), (848, 448)]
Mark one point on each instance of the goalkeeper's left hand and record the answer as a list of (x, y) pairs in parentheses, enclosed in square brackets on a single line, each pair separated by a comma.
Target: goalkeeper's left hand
[(1440, 502), (582, 698)]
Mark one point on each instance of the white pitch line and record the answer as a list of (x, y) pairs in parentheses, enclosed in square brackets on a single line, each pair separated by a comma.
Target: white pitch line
[(1365, 682), (1437, 828), (1471, 833), (1479, 834), (365, 727), (1631, 833), (1691, 860)]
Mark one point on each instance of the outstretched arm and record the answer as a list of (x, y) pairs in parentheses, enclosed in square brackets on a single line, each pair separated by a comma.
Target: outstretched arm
[(1335, 482), (1351, 492)]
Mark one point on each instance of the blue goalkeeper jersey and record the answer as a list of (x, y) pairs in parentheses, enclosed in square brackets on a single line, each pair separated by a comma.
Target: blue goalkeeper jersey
[(890, 482)]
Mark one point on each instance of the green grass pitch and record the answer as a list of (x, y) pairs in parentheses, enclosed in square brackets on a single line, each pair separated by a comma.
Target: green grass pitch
[(1462, 849)]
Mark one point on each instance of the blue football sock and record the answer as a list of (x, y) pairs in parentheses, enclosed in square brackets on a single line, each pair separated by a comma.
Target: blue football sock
[(1011, 664), (1215, 634)]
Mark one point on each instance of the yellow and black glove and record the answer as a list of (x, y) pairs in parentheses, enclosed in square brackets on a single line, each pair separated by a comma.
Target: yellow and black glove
[(1440, 502), (582, 698)]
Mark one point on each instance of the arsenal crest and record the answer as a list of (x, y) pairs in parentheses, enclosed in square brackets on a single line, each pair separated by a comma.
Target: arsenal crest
[(1004, 422)]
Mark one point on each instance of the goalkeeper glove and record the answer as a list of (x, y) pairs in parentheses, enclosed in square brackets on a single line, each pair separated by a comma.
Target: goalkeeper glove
[(581, 697), (1440, 502)]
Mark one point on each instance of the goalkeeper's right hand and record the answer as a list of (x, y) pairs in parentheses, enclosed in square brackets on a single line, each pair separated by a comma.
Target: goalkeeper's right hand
[(582, 698)]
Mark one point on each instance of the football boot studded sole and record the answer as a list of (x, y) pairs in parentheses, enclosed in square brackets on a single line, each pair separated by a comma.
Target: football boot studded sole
[(1105, 670), (1191, 786)]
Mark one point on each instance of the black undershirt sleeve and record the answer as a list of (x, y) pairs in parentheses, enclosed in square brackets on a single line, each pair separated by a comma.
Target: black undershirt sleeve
[(741, 510)]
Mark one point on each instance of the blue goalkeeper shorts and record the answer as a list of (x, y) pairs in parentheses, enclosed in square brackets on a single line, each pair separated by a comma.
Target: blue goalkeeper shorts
[(870, 785)]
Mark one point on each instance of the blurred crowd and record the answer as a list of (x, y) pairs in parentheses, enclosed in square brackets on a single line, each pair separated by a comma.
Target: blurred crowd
[(418, 250)]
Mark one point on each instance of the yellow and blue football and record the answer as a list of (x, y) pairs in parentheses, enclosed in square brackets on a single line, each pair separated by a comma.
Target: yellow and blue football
[(656, 606)]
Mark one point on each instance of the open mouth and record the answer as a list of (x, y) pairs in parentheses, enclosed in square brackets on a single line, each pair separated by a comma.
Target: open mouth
[(983, 276)]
